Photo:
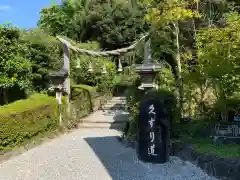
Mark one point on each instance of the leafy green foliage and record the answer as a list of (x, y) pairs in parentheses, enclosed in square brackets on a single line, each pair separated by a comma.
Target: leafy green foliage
[(218, 56), (189, 133), (165, 79), (207, 43), (219, 150), (113, 24), (167, 11), (133, 103), (80, 67), (14, 67), (77, 87), (44, 52), (26, 58)]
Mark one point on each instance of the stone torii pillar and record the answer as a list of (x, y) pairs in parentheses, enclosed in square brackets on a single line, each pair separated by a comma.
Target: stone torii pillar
[(67, 82)]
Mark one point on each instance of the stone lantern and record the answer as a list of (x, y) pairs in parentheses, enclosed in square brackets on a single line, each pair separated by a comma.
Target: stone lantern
[(148, 69), (57, 79)]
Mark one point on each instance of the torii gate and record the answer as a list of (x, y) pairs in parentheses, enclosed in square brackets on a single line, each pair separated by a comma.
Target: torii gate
[(152, 120), (146, 69)]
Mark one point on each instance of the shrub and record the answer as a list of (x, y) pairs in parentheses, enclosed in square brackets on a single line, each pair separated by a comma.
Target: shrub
[(133, 102), (123, 82), (103, 82), (81, 87), (15, 69), (193, 128), (165, 79), (24, 119), (84, 100), (44, 52), (233, 107)]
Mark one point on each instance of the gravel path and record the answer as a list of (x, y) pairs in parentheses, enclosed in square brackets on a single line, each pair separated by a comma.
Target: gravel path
[(92, 154)]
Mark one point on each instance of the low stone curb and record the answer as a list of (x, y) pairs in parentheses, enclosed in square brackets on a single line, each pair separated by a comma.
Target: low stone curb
[(221, 168)]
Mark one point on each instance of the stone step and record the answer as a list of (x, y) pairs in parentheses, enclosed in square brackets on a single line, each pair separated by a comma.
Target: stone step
[(120, 98), (102, 125), (116, 101), (113, 108), (104, 121), (113, 105)]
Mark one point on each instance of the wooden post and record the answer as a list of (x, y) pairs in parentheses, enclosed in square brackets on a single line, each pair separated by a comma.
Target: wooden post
[(59, 102), (67, 83)]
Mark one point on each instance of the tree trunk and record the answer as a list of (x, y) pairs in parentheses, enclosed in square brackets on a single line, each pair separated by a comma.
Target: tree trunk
[(179, 79), (5, 95), (222, 100), (224, 111)]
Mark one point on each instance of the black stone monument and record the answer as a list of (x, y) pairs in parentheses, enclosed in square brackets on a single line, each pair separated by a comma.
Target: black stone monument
[(154, 128), (153, 137)]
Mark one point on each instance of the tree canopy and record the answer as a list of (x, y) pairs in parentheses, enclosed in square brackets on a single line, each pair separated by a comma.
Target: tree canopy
[(113, 23)]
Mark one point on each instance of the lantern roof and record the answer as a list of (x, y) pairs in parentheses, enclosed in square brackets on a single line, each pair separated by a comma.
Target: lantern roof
[(58, 74), (148, 67)]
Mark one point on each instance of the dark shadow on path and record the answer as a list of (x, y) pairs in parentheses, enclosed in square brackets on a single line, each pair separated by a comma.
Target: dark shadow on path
[(120, 116), (120, 162)]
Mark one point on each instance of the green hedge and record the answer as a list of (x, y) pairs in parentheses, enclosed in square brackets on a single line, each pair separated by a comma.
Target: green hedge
[(81, 96), (82, 87), (24, 119), (84, 100)]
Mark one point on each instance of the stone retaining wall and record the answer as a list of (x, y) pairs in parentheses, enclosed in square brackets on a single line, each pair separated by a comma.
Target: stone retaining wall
[(221, 168)]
